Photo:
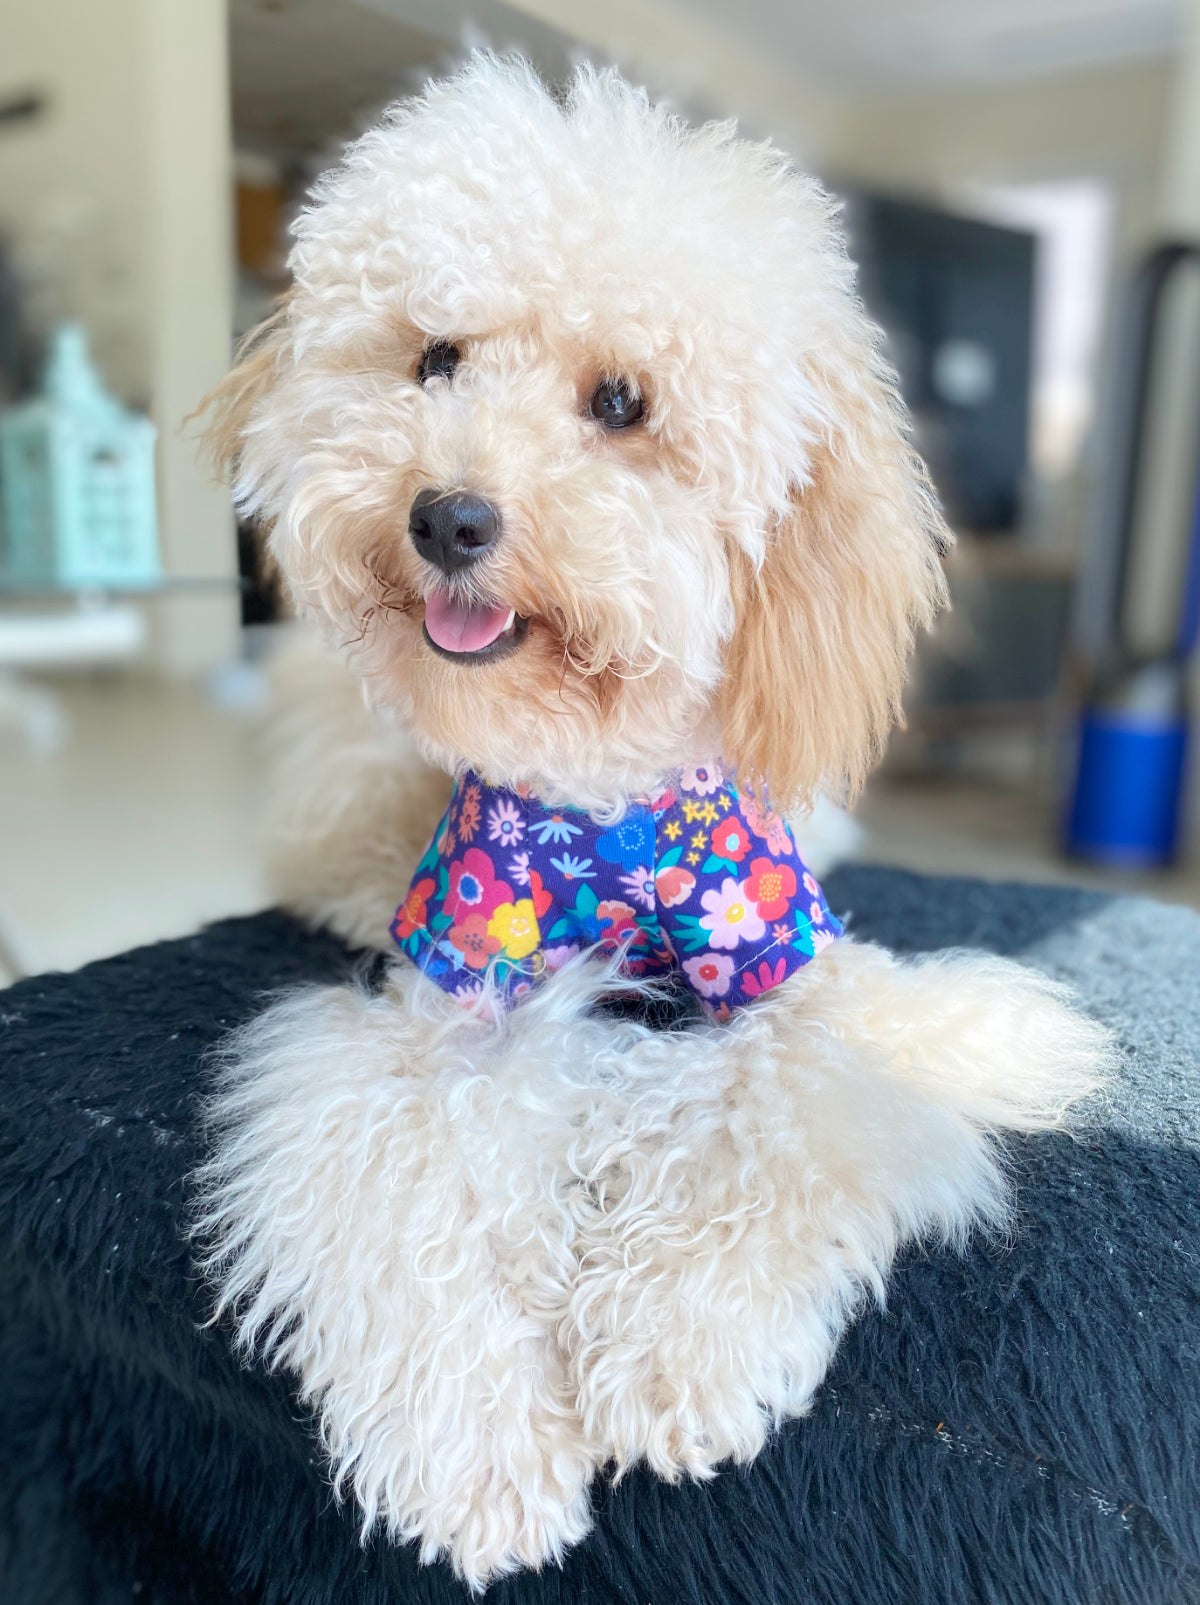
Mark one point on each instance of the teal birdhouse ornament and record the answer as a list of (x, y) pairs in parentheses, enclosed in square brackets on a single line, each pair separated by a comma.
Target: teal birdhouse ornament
[(77, 482)]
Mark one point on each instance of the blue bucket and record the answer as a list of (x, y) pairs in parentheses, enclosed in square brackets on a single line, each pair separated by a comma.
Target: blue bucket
[(1129, 781)]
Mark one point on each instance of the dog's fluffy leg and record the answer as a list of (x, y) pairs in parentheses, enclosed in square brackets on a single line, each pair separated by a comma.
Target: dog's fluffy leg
[(763, 1186), (351, 803), (391, 1212)]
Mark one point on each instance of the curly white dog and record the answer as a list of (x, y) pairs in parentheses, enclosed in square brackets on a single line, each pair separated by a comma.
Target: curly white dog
[(573, 434)]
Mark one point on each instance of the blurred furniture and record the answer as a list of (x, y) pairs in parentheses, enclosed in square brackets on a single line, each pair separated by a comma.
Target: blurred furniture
[(955, 296), (998, 659), (1018, 1425), (1134, 732), (77, 481), (95, 633)]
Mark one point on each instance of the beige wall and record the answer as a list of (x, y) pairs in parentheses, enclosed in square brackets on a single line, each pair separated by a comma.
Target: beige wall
[(73, 182), (117, 201)]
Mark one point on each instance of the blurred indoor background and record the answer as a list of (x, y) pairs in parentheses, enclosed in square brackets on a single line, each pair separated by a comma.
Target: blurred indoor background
[(1012, 170)]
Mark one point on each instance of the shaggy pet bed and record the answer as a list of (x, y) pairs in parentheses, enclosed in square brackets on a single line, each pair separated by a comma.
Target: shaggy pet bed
[(1019, 1425)]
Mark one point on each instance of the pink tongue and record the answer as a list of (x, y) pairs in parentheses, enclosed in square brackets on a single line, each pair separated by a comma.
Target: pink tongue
[(462, 626)]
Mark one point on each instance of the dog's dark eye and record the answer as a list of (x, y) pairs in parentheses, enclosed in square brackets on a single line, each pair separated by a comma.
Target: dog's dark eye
[(615, 405), (438, 360)]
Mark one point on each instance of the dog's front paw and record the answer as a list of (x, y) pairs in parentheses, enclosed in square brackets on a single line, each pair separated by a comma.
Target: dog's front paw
[(687, 1354), (360, 1221), (508, 1521), (754, 1202), (491, 1490)]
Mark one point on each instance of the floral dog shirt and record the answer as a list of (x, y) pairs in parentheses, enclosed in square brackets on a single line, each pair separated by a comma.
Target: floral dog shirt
[(695, 881)]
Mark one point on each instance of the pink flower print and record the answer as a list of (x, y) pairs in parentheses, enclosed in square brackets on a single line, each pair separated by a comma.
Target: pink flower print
[(710, 974), (701, 779), (820, 940), (505, 823), (816, 913), (560, 954), (640, 886), (674, 886), (518, 869), (474, 888), (810, 885), (731, 916), (769, 826), (783, 933), (767, 977)]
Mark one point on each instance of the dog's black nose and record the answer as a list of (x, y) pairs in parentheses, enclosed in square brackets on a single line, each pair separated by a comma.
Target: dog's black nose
[(451, 528)]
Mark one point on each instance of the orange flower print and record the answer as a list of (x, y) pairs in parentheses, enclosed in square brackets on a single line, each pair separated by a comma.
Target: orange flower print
[(473, 940), (674, 886), (538, 894), (771, 886), (618, 924), (411, 915), (730, 840), (468, 813)]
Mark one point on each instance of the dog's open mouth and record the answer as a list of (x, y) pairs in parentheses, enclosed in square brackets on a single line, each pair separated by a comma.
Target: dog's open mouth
[(471, 632)]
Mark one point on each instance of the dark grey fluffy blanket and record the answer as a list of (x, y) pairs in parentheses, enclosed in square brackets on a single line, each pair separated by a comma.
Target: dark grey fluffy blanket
[(1022, 1425)]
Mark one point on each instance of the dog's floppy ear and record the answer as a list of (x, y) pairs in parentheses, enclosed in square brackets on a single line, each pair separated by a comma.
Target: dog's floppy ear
[(226, 409), (825, 622)]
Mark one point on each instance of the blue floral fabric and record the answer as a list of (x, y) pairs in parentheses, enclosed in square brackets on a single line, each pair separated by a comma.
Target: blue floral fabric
[(695, 880)]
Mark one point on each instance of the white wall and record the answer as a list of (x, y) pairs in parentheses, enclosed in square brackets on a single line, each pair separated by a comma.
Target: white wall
[(118, 203), (1108, 123)]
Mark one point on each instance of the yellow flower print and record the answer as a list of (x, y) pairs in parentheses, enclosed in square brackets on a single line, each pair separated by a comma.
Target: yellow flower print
[(699, 839), (515, 927), (708, 814), (693, 858), (692, 811), (724, 802), (672, 829)]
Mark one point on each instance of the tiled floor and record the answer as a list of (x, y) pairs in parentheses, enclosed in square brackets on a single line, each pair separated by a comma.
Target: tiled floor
[(143, 825), (994, 830)]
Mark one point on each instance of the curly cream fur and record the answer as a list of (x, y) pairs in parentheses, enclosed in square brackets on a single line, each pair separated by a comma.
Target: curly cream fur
[(501, 1255)]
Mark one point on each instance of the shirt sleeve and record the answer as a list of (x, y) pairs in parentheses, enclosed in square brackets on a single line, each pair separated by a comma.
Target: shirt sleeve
[(735, 901)]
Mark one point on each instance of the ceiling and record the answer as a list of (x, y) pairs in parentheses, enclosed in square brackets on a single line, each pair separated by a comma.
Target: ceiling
[(896, 44), (308, 73)]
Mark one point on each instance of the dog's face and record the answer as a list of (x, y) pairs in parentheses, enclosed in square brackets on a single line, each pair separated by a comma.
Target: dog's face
[(573, 428)]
